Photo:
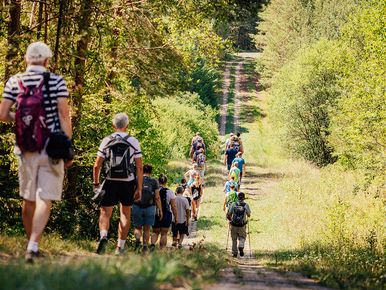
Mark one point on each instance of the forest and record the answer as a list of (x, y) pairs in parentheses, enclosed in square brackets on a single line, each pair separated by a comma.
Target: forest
[(321, 64), (156, 60)]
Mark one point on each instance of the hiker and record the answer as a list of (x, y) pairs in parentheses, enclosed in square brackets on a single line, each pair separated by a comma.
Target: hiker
[(240, 164), (197, 144), (230, 197), (41, 98), (230, 155), (227, 186), (228, 141), (121, 154), (191, 174), (162, 223), (183, 183), (235, 173), (200, 159), (144, 210), (237, 215), (237, 144), (180, 225), (197, 194)]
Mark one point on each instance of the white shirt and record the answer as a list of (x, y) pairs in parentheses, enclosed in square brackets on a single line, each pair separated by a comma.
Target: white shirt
[(134, 155)]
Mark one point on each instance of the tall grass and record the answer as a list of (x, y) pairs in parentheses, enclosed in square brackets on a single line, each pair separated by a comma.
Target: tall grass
[(166, 269)]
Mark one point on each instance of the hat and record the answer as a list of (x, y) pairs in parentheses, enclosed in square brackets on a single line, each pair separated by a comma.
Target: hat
[(38, 52), (241, 195)]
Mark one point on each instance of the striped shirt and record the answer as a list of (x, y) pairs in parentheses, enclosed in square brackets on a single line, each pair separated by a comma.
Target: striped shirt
[(32, 77)]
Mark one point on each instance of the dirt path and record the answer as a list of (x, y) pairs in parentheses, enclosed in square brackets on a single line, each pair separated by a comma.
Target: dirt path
[(247, 273)]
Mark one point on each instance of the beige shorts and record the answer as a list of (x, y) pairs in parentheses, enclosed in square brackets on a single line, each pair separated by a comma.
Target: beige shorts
[(38, 176)]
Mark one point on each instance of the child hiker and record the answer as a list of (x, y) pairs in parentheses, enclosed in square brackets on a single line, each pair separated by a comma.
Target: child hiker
[(181, 224)]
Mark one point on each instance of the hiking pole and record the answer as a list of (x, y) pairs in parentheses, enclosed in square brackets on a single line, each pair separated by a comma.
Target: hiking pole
[(249, 238), (226, 249)]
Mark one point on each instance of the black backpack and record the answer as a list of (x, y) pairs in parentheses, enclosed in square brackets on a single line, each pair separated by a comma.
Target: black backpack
[(238, 215), (164, 201), (148, 194), (117, 162)]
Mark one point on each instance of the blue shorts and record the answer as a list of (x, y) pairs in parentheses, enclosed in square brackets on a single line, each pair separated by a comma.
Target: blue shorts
[(165, 222), (143, 216)]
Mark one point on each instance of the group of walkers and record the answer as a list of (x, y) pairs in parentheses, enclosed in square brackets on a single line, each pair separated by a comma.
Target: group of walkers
[(43, 147), (237, 210)]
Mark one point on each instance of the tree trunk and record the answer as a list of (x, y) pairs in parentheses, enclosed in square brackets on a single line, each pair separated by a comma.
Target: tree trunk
[(58, 31), (13, 38), (80, 60), (40, 19), (84, 24)]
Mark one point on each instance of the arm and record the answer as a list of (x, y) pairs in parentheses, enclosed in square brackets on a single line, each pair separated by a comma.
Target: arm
[(139, 173), (158, 203), (244, 169), (187, 216), (173, 205), (248, 211), (225, 158), (5, 111), (96, 171), (64, 116), (225, 203)]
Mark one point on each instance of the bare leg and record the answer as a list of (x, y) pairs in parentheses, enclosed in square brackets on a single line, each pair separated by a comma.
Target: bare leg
[(138, 233), (182, 236), (164, 237), (146, 235), (194, 204), (124, 222), (104, 218), (27, 213), (154, 236), (40, 219)]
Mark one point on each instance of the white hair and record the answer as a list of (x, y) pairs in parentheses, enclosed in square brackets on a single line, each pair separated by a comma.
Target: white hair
[(120, 120), (38, 52)]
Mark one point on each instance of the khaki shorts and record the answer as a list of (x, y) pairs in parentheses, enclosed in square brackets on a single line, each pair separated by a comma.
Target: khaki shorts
[(39, 177)]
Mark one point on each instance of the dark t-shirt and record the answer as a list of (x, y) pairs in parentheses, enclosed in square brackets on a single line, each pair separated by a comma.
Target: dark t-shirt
[(231, 154), (149, 186)]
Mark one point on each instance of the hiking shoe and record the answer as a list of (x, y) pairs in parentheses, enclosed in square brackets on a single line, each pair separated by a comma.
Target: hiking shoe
[(234, 255), (102, 245), (137, 247), (180, 246), (152, 248), (145, 249), (30, 256), (174, 245), (119, 251), (241, 250)]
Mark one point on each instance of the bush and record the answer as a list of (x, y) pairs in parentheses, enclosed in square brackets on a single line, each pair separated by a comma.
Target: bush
[(301, 93), (359, 119)]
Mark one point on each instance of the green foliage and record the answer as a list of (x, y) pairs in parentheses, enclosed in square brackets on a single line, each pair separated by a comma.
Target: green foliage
[(359, 120), (170, 268), (179, 118), (205, 82), (302, 91), (330, 233)]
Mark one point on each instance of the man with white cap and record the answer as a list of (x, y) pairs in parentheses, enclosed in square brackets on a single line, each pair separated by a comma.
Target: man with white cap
[(42, 102)]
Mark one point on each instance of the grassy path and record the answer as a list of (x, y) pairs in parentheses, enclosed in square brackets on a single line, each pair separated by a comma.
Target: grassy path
[(261, 180)]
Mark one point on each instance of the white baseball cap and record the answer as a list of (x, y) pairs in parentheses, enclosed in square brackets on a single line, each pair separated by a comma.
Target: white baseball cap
[(38, 52)]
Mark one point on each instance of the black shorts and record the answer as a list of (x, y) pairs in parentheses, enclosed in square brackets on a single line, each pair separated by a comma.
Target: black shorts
[(165, 222), (118, 192), (181, 229)]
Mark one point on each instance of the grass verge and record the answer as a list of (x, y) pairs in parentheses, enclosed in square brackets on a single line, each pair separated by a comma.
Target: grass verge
[(61, 270)]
